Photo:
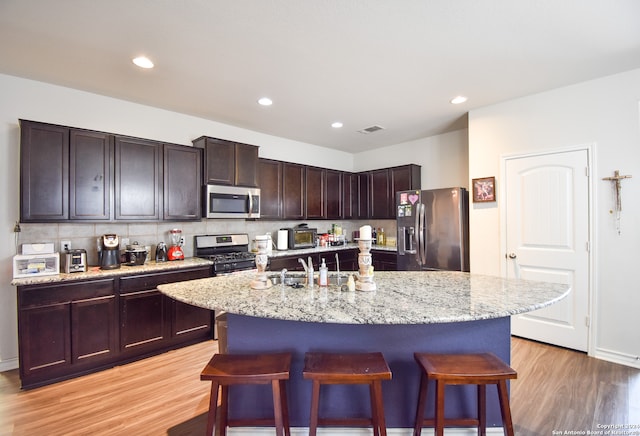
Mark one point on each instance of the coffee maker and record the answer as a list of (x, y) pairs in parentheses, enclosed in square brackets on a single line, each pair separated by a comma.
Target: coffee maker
[(109, 254)]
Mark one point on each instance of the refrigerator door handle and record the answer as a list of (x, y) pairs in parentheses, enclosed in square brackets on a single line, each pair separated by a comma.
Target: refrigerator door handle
[(422, 258), (423, 236), (417, 235)]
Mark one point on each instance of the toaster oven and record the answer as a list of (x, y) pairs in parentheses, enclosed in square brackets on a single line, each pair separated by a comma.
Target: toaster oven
[(302, 237)]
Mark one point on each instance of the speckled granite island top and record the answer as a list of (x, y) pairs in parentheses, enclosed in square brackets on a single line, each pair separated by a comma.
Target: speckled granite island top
[(402, 297)]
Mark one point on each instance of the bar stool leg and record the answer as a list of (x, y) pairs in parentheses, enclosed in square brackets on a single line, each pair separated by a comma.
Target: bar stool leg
[(284, 407), (504, 408), (439, 408), (213, 408), (482, 410), (315, 400), (224, 410), (374, 411), (422, 400), (379, 422), (277, 407)]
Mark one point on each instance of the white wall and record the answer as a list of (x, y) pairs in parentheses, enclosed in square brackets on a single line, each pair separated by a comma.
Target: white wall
[(38, 101), (604, 112), (444, 159)]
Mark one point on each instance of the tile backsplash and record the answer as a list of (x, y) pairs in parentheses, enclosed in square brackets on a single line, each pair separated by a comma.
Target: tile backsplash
[(85, 235)]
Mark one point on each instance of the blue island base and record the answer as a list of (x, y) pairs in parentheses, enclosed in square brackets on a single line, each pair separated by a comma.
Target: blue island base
[(397, 343)]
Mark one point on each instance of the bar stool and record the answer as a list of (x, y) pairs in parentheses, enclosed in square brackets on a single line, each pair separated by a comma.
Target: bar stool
[(347, 369), (224, 370), (463, 369)]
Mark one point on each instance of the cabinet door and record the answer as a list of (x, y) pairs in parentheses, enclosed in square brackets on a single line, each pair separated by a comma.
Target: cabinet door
[(44, 172), (334, 194), (350, 196), (289, 262), (270, 184), (138, 179), (143, 322), (363, 195), (380, 206), (90, 168), (93, 329), (182, 183), (219, 160), (44, 340), (246, 165), (293, 188), (315, 193), (189, 320)]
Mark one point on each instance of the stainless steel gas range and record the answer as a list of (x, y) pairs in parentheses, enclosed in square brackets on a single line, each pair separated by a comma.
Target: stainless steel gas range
[(228, 252)]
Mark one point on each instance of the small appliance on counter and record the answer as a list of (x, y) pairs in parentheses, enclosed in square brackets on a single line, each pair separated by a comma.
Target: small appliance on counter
[(135, 254), (109, 251), (302, 236), (75, 260), (161, 252), (175, 251)]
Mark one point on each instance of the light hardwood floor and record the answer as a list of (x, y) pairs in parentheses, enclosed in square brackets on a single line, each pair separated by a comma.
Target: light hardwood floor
[(556, 390)]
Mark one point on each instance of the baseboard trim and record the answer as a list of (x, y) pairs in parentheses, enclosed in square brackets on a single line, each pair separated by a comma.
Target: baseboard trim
[(617, 357), (338, 431), (9, 364)]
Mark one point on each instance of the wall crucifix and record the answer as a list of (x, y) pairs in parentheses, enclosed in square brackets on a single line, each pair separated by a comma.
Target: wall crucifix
[(617, 187)]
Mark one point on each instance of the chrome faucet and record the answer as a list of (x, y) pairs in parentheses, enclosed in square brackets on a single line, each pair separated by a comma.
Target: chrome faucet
[(338, 268), (283, 274), (308, 268)]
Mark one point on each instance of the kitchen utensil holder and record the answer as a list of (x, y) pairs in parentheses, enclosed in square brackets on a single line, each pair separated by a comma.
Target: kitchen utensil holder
[(365, 270)]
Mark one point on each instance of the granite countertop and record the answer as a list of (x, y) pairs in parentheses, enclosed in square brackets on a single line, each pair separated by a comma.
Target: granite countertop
[(95, 273), (318, 250), (402, 297)]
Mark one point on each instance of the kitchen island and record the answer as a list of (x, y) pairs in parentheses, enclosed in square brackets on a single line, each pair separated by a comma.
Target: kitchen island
[(411, 311)]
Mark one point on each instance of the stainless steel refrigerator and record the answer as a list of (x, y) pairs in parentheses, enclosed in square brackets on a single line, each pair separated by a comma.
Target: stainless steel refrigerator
[(433, 229)]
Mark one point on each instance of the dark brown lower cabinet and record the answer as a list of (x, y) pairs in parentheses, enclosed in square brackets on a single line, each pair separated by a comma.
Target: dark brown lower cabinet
[(66, 330), (348, 261), (384, 260)]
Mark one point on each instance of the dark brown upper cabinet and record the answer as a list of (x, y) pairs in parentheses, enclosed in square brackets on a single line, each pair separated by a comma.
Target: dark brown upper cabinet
[(349, 196), (270, 184), (334, 194), (383, 185), (70, 174), (403, 178), (182, 171), (138, 179), (228, 163), (44, 172), (379, 205), (293, 190), (314, 197), (90, 171)]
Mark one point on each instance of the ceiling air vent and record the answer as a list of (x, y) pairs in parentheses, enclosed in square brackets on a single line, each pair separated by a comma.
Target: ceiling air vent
[(371, 129)]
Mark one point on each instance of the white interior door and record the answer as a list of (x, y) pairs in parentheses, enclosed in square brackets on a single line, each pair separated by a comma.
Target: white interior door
[(547, 239)]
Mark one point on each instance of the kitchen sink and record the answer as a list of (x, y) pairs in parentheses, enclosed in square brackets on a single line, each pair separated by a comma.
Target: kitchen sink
[(300, 281)]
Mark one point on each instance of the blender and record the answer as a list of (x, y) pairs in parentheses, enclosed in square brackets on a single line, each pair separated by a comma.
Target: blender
[(175, 251)]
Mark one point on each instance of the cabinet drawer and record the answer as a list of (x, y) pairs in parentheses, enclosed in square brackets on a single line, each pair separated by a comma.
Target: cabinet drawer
[(45, 295), (151, 281)]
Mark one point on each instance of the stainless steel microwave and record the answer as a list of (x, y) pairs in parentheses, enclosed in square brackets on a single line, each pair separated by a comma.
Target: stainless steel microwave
[(231, 202)]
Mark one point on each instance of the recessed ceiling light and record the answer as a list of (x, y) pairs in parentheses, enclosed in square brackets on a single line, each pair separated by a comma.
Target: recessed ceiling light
[(265, 101), (143, 62), (459, 99), (336, 125)]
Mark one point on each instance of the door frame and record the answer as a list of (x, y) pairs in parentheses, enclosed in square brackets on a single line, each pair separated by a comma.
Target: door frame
[(591, 275)]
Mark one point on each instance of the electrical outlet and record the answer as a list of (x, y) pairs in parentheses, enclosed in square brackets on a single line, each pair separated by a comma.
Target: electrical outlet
[(182, 241), (65, 245), (124, 242)]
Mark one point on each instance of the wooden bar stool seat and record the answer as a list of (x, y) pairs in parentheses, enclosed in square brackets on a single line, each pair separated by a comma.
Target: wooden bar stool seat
[(463, 369), (347, 369), (224, 370)]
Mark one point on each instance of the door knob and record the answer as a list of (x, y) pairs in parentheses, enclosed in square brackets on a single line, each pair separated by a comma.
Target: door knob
[(512, 255)]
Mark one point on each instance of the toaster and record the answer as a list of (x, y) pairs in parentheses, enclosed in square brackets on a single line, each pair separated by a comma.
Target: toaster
[(75, 261)]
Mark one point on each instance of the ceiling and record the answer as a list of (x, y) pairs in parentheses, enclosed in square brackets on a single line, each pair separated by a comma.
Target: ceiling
[(391, 63)]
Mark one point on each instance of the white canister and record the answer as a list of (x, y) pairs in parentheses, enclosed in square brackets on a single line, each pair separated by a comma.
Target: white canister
[(283, 239)]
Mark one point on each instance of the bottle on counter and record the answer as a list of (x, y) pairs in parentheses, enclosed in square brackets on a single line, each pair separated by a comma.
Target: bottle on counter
[(381, 238), (374, 235), (323, 279)]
